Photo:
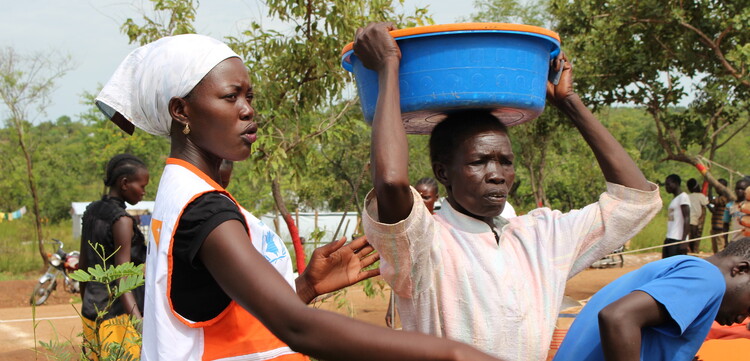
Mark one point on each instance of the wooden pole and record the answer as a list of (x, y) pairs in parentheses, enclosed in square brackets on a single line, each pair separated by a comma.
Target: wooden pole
[(343, 217)]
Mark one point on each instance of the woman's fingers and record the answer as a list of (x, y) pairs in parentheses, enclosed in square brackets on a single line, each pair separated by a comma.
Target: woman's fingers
[(367, 249), (370, 260), (369, 274), (334, 246), (358, 242)]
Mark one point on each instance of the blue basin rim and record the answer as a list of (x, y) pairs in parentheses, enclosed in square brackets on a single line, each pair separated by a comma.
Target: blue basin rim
[(346, 62)]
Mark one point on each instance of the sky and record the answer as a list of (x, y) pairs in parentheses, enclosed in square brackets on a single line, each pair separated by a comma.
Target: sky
[(89, 31)]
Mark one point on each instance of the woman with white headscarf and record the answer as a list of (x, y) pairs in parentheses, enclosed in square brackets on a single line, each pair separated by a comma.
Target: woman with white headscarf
[(218, 283)]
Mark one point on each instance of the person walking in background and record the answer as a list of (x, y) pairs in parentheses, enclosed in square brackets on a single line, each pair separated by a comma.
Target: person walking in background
[(664, 310), (678, 218), (732, 213), (698, 203), (717, 206), (220, 284), (108, 230), (428, 189)]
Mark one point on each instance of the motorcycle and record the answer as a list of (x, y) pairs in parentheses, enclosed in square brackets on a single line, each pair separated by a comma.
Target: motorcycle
[(60, 263), (611, 260)]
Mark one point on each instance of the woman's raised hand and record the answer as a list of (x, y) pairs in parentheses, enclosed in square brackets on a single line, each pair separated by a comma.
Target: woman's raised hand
[(335, 265), (557, 93), (375, 47)]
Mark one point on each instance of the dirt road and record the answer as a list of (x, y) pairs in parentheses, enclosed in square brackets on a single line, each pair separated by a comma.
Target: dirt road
[(59, 318), (19, 327)]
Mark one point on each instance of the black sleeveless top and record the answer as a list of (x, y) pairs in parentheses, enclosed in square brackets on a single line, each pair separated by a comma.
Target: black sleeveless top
[(97, 228)]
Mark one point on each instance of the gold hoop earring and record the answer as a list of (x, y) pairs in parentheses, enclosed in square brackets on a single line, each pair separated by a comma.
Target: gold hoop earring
[(186, 130)]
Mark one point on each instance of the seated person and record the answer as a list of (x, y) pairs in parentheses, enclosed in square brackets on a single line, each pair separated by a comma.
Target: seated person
[(664, 310)]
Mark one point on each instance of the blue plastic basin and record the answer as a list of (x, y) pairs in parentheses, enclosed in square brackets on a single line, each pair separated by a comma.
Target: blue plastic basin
[(502, 71)]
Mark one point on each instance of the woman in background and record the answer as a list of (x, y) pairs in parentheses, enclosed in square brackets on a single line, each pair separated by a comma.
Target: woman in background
[(109, 231)]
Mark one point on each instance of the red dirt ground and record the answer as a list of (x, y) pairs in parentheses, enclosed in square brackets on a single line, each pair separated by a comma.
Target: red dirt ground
[(14, 297)]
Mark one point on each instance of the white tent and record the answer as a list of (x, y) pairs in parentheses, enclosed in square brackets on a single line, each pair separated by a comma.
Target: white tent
[(307, 222), (140, 209)]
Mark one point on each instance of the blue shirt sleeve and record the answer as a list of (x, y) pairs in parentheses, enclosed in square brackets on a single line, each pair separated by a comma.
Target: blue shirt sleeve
[(687, 290)]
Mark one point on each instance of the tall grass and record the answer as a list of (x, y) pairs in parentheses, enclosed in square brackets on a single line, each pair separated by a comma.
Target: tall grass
[(19, 255)]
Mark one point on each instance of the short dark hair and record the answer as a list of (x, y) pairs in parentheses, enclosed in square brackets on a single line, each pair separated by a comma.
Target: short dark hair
[(456, 127), (674, 178), (429, 182), (739, 248), (692, 185), (122, 165), (723, 182)]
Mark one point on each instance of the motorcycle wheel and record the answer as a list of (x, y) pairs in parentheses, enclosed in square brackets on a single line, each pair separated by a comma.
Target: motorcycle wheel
[(42, 291)]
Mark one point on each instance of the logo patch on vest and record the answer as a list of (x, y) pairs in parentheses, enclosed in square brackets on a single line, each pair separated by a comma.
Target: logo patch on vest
[(273, 247)]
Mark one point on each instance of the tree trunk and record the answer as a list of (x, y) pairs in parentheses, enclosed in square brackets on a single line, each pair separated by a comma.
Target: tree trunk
[(299, 251), (541, 175), (707, 176), (536, 175), (34, 195)]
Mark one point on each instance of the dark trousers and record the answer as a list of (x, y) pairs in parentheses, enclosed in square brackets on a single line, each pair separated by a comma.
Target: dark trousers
[(696, 231), (718, 242), (675, 250)]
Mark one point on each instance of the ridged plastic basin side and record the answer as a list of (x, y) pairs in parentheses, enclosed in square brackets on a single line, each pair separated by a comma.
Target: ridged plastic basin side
[(505, 72)]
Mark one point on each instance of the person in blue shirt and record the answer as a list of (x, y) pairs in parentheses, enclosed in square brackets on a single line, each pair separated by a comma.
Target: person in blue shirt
[(664, 310)]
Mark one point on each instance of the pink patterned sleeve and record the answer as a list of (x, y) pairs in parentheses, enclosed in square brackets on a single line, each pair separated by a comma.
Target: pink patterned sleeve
[(404, 247), (576, 239)]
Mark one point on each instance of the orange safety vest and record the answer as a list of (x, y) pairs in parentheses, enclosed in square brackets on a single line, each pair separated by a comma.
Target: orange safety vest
[(234, 334)]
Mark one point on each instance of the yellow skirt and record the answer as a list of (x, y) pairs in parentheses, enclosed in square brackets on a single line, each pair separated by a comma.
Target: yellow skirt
[(115, 330)]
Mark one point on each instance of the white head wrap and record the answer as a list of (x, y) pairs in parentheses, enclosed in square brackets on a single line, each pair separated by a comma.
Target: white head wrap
[(151, 75)]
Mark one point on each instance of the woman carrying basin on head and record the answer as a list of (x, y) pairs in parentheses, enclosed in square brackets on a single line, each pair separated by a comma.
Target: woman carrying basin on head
[(467, 273), (218, 283)]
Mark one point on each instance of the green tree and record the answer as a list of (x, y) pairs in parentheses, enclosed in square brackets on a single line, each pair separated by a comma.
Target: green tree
[(62, 165), (298, 81), (170, 17), (512, 11), (657, 44), (26, 83), (104, 139), (296, 76)]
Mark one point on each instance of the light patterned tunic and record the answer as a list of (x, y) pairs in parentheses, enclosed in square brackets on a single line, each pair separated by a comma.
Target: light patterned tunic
[(454, 278)]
